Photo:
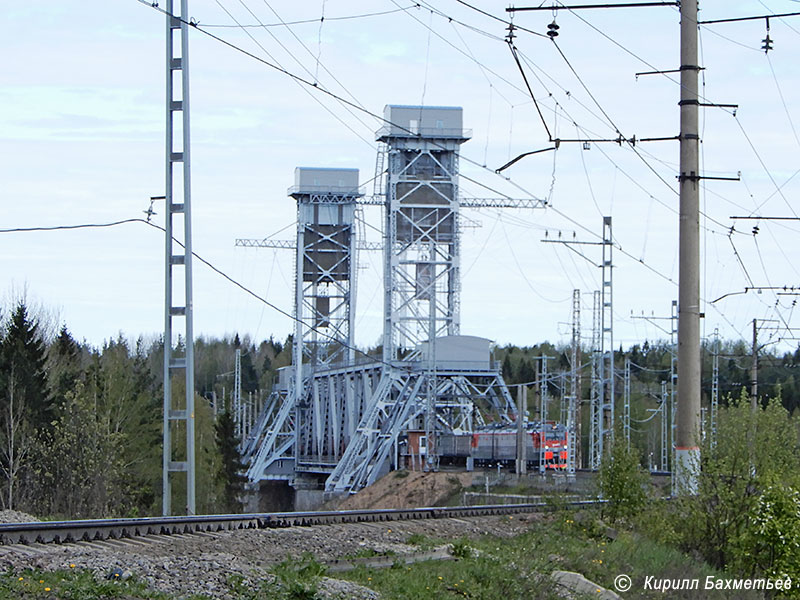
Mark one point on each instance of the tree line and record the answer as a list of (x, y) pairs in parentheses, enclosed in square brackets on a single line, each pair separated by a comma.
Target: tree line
[(81, 426), (778, 373)]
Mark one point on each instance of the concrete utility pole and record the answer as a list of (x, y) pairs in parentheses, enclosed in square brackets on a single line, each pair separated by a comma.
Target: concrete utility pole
[(687, 450), (522, 402)]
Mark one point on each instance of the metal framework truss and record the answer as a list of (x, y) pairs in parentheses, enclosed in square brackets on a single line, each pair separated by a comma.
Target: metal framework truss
[(399, 403), (330, 411), (356, 415), (602, 403), (421, 256), (269, 450), (342, 420)]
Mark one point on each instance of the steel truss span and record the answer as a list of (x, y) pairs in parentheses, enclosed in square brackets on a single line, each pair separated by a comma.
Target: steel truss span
[(337, 422)]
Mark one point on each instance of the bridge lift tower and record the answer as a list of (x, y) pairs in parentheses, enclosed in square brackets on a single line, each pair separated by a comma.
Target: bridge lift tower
[(300, 410), (342, 421), (432, 379)]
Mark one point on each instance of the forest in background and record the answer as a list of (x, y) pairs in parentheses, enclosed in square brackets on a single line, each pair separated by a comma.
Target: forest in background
[(81, 426)]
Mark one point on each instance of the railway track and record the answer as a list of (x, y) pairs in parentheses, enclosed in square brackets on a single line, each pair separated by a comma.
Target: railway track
[(48, 532)]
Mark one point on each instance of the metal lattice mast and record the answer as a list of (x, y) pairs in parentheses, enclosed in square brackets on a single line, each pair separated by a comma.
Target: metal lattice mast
[(673, 390), (178, 416), (544, 399), (573, 421), (664, 421), (596, 406), (626, 411), (714, 387), (237, 393), (572, 444), (607, 339), (421, 256), (602, 400), (545, 388)]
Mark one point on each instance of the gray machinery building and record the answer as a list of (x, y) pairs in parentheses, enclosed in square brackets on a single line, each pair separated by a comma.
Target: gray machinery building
[(338, 419)]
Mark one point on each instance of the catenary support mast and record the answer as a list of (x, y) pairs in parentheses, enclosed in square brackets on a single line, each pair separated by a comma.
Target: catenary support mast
[(687, 451), (178, 416)]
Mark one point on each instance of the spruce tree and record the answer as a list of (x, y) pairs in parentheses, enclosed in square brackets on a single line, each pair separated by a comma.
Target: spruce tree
[(64, 367), (24, 403), (507, 370), (22, 365), (232, 468)]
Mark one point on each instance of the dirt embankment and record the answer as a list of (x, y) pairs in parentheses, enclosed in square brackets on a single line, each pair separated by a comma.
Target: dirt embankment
[(408, 489)]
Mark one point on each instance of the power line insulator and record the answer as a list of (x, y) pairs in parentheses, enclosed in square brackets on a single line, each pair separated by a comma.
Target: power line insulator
[(766, 44), (552, 30)]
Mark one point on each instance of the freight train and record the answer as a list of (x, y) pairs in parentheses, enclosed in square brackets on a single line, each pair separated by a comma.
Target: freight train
[(545, 444)]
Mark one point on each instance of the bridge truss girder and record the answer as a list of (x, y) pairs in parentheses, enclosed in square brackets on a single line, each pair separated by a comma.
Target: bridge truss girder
[(399, 403)]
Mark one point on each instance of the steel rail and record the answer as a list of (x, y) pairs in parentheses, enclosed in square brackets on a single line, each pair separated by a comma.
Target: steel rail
[(45, 532)]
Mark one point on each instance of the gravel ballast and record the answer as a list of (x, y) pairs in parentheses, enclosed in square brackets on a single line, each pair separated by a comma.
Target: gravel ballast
[(183, 565)]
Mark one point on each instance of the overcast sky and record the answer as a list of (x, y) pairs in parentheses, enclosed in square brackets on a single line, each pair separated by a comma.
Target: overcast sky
[(82, 141)]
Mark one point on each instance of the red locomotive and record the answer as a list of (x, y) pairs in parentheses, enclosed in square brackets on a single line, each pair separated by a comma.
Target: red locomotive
[(493, 445)]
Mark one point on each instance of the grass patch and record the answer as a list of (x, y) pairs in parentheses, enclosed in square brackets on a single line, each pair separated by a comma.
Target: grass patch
[(419, 540), (75, 584), (519, 567)]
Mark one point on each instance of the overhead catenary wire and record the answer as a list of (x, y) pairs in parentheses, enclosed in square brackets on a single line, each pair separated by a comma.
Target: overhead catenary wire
[(496, 18), (621, 139), (313, 84), (766, 169), (638, 260), (354, 105), (641, 260), (312, 21), (203, 260), (783, 100)]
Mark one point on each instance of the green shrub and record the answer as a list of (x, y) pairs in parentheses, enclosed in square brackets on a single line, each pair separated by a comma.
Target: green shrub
[(623, 482), (746, 514), (298, 577), (461, 549)]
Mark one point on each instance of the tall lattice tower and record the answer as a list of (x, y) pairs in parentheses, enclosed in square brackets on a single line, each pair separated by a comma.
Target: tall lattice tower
[(324, 280), (326, 205), (421, 255), (305, 420)]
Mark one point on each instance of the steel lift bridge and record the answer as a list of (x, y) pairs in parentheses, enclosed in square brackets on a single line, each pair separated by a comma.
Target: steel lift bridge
[(337, 419)]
